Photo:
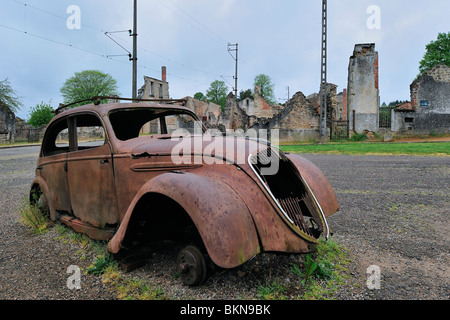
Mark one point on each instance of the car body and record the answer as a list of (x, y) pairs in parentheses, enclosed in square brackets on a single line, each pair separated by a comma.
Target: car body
[(129, 188)]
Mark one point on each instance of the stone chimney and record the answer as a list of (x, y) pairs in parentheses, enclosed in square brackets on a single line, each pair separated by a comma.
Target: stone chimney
[(163, 74)]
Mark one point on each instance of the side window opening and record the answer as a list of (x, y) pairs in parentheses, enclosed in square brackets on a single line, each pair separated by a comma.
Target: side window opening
[(57, 139), (88, 132)]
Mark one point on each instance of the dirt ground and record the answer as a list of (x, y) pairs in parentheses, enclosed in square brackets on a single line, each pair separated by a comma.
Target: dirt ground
[(424, 139), (394, 214)]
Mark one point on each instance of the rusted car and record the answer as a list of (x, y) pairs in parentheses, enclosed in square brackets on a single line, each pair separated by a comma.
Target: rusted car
[(134, 172)]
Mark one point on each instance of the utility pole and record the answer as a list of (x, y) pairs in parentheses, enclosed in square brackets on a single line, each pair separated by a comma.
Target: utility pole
[(230, 49), (323, 83), (135, 51)]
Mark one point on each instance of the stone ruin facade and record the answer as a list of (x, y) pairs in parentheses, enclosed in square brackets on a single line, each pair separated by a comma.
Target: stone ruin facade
[(429, 109), (155, 88), (363, 99), (355, 109), (297, 120), (7, 124)]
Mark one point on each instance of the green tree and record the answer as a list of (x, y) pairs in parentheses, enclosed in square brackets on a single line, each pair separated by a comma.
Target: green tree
[(266, 85), (41, 115), (8, 96), (217, 93), (436, 52), (246, 94), (88, 84), (199, 96)]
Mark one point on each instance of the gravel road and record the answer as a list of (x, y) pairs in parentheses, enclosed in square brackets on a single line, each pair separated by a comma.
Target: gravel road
[(394, 215)]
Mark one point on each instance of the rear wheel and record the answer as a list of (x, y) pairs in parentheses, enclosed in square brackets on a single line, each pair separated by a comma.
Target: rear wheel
[(38, 198), (191, 265)]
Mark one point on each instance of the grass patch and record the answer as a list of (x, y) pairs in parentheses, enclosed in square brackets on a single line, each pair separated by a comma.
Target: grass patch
[(108, 269), (376, 148), (34, 217), (317, 278), (127, 289), (272, 291)]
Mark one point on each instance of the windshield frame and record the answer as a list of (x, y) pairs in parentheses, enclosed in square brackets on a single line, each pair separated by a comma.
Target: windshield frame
[(127, 128)]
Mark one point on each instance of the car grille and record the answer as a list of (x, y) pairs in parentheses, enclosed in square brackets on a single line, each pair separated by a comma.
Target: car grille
[(292, 207), (288, 191)]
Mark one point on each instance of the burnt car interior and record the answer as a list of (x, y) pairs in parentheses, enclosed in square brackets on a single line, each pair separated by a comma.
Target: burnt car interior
[(128, 123)]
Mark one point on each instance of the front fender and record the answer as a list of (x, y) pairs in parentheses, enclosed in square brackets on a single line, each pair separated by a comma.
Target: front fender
[(319, 184), (220, 215)]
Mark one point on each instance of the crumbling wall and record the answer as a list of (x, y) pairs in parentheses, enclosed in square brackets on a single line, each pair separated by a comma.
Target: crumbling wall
[(410, 122), (208, 112), (7, 124), (430, 93), (430, 101), (234, 118), (248, 105), (341, 110), (363, 91), (262, 109), (155, 88), (298, 121)]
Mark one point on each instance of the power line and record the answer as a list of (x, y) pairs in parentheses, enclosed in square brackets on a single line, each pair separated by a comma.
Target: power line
[(26, 5), (51, 40), (54, 14), (211, 32), (141, 48), (169, 59), (109, 57)]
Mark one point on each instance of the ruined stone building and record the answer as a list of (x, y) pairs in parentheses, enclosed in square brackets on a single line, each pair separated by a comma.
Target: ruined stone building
[(341, 102), (363, 100), (7, 124), (298, 120), (429, 109), (155, 88)]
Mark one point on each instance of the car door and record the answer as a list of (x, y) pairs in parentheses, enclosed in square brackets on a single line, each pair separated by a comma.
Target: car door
[(52, 165), (90, 173)]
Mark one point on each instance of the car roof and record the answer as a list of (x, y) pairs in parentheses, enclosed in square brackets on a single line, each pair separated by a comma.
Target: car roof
[(106, 108)]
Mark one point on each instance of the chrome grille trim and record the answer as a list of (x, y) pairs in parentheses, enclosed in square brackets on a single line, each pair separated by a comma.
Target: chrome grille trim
[(290, 207), (268, 190)]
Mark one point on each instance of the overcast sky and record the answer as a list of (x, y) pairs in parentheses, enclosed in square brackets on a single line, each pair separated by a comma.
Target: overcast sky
[(281, 39)]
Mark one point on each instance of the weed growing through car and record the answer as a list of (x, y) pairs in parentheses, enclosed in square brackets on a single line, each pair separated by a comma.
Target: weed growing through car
[(317, 277), (32, 216)]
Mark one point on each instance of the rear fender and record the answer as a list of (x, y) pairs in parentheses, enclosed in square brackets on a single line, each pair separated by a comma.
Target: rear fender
[(219, 214), (318, 183), (40, 183)]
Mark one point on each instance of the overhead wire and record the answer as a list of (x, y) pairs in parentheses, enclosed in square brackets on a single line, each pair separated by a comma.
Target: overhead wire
[(26, 5), (209, 31)]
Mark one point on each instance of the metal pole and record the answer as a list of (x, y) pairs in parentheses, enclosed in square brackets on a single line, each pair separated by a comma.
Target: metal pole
[(135, 51), (236, 69), (236, 74), (323, 84)]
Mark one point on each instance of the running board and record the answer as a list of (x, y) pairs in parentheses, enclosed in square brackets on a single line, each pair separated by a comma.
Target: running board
[(88, 229)]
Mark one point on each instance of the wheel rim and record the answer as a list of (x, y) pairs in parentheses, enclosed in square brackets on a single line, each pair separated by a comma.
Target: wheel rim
[(191, 266)]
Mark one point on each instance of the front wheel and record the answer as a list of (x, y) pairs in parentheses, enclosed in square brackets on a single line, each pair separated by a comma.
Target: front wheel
[(191, 265)]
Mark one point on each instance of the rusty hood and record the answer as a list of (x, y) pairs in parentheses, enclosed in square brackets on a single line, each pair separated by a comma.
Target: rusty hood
[(198, 148)]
